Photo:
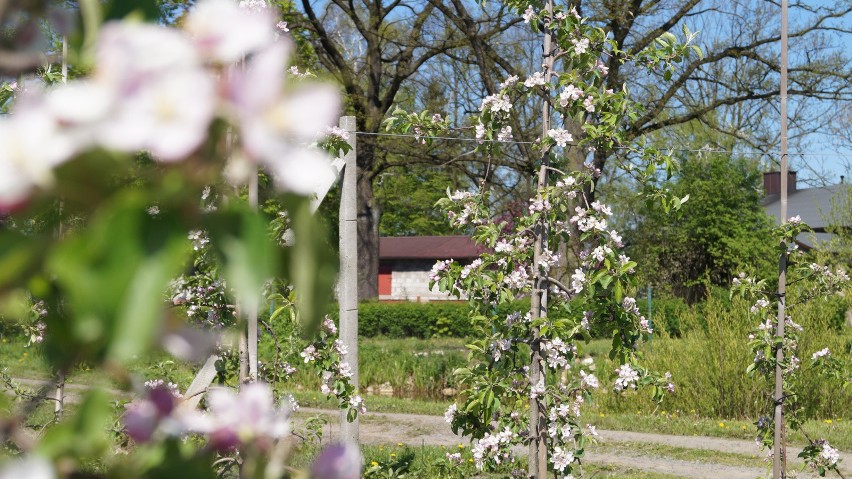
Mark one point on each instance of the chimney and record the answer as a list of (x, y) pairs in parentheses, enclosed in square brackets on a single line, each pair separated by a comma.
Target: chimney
[(772, 182)]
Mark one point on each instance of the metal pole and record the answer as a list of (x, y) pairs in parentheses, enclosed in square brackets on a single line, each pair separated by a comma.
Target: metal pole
[(650, 321), (252, 304), (59, 404), (348, 283), (538, 307), (779, 460)]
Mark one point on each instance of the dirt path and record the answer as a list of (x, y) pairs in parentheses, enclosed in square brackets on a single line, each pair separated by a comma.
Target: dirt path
[(417, 430)]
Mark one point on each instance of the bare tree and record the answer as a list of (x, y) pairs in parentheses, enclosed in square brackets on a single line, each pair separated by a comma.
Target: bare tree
[(372, 48)]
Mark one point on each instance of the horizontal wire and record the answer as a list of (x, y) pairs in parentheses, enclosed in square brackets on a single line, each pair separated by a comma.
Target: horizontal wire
[(515, 142)]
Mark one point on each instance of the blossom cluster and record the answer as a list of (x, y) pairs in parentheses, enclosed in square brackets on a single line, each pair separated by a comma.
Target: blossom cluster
[(158, 90), (327, 354), (589, 288), (812, 281), (494, 448), (231, 420)]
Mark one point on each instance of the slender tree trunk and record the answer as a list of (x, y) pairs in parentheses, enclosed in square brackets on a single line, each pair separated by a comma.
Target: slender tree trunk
[(538, 300)]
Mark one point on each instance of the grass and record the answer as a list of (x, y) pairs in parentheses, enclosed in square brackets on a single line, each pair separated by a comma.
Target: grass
[(429, 462), (708, 365), (376, 404), (643, 449), (837, 431)]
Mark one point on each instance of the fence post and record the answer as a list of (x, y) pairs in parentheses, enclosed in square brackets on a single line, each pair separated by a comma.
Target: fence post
[(779, 450), (252, 303), (348, 282)]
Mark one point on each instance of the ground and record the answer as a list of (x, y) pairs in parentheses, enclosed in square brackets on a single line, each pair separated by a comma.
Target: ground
[(675, 456)]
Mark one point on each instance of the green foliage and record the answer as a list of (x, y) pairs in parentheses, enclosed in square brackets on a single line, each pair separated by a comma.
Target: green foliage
[(422, 320), (838, 221), (722, 229), (708, 361), (408, 200)]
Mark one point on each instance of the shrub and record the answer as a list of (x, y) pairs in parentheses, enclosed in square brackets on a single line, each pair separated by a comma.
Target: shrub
[(419, 320), (708, 362)]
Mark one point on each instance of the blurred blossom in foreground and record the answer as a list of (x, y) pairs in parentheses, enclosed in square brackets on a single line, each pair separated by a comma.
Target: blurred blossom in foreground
[(233, 419), (337, 461), (158, 90), (30, 467), (224, 33)]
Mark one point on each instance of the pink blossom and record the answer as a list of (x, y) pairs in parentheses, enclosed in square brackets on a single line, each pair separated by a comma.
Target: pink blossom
[(225, 33), (249, 415), (821, 353), (627, 377), (29, 467), (528, 15), (276, 127), (536, 79), (31, 145), (338, 461), (560, 136)]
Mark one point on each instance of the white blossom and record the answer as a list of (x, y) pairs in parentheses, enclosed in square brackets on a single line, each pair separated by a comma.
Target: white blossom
[(580, 46), (627, 377), (561, 458), (451, 412), (528, 15), (225, 33), (560, 136), (821, 353), (536, 79)]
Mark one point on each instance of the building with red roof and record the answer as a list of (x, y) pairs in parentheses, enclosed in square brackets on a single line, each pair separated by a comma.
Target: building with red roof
[(405, 263)]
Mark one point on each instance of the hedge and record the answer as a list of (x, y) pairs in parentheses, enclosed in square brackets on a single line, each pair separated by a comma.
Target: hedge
[(420, 320)]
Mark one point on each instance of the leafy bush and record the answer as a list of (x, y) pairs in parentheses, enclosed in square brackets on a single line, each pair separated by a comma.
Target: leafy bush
[(420, 320), (708, 363)]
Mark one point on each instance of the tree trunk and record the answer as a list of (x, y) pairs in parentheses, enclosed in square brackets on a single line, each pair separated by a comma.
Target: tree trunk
[(369, 213)]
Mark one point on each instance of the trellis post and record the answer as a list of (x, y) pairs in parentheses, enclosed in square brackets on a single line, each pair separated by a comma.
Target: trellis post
[(252, 303), (779, 453), (348, 283), (538, 299), (59, 405)]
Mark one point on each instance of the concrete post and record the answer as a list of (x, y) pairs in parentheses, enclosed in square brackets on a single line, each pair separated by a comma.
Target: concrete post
[(348, 283), (252, 303)]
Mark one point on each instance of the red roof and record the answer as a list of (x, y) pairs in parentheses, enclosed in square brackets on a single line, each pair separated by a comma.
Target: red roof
[(428, 247)]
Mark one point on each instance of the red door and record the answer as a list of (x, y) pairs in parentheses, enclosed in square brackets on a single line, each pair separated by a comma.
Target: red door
[(385, 275)]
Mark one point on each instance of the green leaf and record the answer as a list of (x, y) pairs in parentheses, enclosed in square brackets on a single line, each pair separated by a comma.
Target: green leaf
[(181, 460), (313, 265), (112, 276), (138, 318), (137, 9), (84, 435), (19, 255)]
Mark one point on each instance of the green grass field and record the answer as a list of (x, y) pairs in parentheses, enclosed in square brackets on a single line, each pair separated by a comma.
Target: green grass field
[(419, 369)]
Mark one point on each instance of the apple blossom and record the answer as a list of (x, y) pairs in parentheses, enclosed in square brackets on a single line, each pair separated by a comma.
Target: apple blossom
[(225, 33), (821, 353), (31, 145), (29, 467), (338, 461)]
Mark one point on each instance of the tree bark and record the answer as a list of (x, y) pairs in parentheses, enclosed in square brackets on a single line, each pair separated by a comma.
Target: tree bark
[(368, 240)]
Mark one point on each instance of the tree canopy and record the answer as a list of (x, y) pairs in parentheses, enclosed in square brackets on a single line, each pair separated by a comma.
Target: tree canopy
[(723, 229)]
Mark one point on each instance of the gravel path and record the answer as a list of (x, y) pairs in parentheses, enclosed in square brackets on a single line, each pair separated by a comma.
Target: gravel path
[(417, 430)]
